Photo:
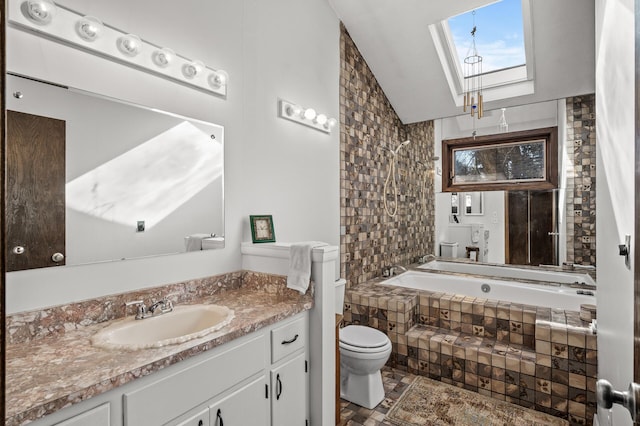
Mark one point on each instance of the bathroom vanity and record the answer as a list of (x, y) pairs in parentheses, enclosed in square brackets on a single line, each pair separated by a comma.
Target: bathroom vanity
[(253, 371)]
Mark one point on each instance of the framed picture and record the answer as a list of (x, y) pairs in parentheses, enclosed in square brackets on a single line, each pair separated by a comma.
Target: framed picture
[(262, 229)]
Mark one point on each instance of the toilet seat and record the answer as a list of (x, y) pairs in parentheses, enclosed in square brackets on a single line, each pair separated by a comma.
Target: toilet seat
[(362, 339)]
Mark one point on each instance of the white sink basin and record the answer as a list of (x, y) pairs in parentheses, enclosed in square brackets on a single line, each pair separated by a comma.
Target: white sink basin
[(182, 324)]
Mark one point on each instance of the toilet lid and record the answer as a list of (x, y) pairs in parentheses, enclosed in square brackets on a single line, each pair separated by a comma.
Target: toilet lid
[(363, 337)]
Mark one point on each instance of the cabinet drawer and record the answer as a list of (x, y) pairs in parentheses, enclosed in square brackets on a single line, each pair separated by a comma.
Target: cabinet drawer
[(167, 398), (288, 338)]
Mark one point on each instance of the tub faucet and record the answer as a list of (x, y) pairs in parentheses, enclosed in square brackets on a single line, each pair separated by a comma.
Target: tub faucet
[(393, 268), (426, 258)]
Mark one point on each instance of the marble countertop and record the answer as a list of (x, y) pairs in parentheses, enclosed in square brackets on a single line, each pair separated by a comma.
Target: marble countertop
[(48, 374)]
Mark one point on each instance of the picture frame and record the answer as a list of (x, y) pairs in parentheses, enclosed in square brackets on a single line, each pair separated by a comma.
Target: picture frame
[(262, 229)]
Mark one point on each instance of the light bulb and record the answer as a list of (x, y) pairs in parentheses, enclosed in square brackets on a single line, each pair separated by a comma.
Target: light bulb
[(191, 69), (321, 119), (309, 113), (218, 79), (41, 11), (331, 123), (293, 110), (130, 44), (163, 57), (89, 28)]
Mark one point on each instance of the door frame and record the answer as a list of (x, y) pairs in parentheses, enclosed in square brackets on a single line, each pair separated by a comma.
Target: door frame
[(3, 155), (636, 239)]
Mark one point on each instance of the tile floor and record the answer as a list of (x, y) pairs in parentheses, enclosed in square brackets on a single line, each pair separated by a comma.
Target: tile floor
[(395, 382)]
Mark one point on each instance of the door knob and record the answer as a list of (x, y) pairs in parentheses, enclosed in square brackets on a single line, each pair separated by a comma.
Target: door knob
[(606, 397), (57, 257)]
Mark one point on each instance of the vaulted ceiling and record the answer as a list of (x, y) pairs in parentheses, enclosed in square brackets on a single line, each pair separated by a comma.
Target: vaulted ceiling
[(394, 39)]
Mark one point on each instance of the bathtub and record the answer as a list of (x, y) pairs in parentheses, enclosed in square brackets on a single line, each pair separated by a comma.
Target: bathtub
[(500, 271), (551, 296)]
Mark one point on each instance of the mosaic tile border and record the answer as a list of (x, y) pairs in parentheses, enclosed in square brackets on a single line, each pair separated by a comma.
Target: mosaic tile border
[(581, 179)]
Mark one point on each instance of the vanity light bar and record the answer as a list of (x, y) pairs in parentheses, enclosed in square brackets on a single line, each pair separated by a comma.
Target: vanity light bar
[(307, 116), (88, 33)]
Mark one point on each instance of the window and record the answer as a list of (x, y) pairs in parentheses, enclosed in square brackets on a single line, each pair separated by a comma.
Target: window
[(517, 160)]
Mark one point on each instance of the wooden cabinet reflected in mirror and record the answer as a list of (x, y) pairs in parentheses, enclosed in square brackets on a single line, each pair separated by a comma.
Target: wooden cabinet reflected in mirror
[(35, 191)]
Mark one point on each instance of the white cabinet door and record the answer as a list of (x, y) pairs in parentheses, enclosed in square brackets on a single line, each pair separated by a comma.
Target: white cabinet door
[(98, 416), (289, 393), (199, 419), (246, 406)]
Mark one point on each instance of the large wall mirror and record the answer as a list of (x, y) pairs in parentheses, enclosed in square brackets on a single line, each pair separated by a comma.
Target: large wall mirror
[(524, 223), (92, 179)]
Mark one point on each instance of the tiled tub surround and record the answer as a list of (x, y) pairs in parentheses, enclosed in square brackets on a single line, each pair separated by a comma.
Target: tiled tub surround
[(369, 127), (537, 357), (51, 363)]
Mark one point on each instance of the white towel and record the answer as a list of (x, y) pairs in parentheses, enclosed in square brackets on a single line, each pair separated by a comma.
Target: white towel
[(475, 233), (300, 265), (194, 242)]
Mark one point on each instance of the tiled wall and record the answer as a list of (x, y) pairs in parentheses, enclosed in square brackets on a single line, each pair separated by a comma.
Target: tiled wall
[(581, 182), (440, 336), (369, 238)]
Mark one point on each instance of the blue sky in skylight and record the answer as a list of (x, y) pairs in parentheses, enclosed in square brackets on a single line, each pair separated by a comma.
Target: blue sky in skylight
[(499, 35)]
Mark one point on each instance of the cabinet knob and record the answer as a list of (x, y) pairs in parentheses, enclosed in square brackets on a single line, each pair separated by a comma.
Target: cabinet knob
[(18, 250), (57, 257)]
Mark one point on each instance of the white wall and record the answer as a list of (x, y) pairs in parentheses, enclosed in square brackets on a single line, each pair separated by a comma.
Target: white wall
[(272, 166), (492, 219), (615, 129)]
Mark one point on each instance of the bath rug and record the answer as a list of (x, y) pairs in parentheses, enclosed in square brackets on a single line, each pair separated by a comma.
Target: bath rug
[(429, 402)]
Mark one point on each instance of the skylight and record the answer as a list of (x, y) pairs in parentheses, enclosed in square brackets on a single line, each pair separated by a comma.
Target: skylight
[(499, 36), (503, 39)]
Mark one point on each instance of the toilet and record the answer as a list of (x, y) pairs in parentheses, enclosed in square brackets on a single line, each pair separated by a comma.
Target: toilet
[(363, 352)]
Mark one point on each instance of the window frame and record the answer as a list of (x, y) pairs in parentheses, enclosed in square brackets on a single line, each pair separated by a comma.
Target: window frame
[(550, 137)]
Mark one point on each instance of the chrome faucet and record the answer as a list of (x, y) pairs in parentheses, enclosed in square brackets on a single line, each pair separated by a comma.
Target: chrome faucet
[(165, 305), (157, 308), (393, 268), (426, 258)]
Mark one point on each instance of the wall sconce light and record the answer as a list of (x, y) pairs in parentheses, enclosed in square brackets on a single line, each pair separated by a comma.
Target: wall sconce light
[(163, 57), (192, 69), (45, 18), (41, 11), (218, 78), (307, 116), (129, 44), (89, 28)]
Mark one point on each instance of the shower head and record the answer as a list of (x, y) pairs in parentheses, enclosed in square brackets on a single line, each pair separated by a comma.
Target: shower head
[(401, 145)]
